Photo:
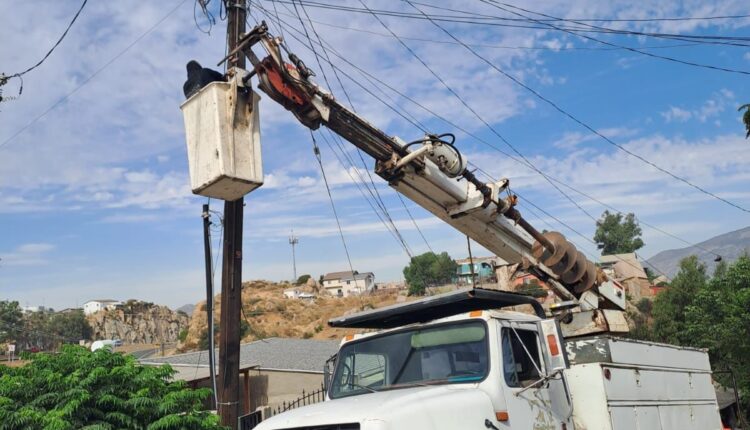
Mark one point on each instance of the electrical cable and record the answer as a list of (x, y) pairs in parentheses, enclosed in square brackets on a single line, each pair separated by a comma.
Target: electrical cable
[(316, 150), (209, 16), (377, 196), (585, 125), (39, 63), (713, 40), (419, 230), (369, 202), (490, 46), (648, 54), (686, 18), (451, 123), (93, 75), (476, 114)]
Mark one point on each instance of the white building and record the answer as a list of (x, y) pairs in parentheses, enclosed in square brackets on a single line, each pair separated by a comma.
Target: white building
[(32, 309), (296, 293), (343, 284), (93, 306)]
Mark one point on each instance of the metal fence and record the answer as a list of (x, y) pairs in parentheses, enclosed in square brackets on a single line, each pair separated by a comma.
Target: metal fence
[(305, 399), (249, 421)]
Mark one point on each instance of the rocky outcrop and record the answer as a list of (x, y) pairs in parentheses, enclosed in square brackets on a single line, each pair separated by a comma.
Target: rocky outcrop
[(138, 322)]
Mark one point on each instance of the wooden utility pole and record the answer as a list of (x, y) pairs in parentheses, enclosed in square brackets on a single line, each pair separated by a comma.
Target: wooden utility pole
[(231, 270)]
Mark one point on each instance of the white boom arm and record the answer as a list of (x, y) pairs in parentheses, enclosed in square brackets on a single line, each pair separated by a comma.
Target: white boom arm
[(432, 173)]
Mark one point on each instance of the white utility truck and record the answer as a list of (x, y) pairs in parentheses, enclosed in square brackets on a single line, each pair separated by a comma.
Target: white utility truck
[(459, 360)]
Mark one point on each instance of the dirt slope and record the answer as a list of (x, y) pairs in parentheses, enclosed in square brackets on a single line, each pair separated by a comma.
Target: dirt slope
[(269, 314)]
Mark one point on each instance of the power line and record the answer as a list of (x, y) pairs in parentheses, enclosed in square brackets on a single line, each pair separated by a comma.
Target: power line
[(491, 46), (39, 63), (585, 125), (316, 150), (684, 18), (525, 163), (517, 23), (475, 113), (377, 196), (388, 227), (415, 222), (648, 54), (93, 75)]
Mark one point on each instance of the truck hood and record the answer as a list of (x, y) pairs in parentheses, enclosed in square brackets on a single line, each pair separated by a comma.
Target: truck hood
[(438, 407)]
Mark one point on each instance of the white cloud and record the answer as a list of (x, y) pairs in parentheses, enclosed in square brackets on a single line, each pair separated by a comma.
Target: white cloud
[(571, 140), (711, 108), (28, 254), (677, 114)]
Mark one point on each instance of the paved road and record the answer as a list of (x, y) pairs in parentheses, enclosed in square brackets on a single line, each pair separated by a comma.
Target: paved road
[(144, 353)]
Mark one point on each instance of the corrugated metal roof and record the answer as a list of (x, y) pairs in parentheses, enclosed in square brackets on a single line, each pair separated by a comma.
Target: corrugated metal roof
[(307, 355)]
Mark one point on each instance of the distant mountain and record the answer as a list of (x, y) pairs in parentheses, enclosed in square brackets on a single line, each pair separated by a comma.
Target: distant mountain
[(729, 245), (188, 309)]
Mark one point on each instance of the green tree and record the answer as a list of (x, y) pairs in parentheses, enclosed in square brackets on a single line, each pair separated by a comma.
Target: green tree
[(102, 390), (71, 326), (429, 269), (669, 306), (10, 321), (718, 319), (36, 331), (302, 280), (617, 234)]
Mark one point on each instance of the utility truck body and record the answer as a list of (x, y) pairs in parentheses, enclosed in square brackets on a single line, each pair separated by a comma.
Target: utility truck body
[(430, 368)]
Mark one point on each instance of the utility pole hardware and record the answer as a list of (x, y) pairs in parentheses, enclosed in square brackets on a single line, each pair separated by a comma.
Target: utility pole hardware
[(294, 240)]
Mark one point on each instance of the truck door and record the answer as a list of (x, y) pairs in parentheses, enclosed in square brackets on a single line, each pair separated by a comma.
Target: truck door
[(533, 403)]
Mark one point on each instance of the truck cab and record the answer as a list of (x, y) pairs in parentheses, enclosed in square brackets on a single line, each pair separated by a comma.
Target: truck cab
[(460, 361)]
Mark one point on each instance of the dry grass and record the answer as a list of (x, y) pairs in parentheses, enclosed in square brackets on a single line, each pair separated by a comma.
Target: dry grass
[(269, 314)]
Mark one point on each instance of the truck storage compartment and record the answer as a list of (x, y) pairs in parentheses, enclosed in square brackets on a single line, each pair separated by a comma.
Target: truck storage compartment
[(619, 384)]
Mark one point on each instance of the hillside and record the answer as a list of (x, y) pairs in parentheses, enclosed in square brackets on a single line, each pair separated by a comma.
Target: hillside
[(269, 314), (729, 245), (138, 323)]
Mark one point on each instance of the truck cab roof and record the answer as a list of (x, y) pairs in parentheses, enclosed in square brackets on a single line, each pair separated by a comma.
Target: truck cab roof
[(437, 307)]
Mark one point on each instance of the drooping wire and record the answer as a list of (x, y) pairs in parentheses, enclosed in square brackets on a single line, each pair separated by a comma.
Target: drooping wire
[(486, 45), (206, 13), (316, 150), (519, 23), (419, 230), (603, 42), (525, 163), (389, 227), (585, 125), (684, 18), (377, 196), (476, 114), (39, 63), (92, 76)]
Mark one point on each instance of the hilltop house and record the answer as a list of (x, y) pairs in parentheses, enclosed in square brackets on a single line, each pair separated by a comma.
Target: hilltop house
[(626, 269), (298, 293), (343, 284), (484, 269), (93, 306)]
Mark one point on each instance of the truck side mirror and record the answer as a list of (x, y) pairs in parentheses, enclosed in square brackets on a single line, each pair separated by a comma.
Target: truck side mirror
[(552, 345)]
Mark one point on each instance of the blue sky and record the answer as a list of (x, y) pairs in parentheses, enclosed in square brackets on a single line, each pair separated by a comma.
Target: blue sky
[(94, 196)]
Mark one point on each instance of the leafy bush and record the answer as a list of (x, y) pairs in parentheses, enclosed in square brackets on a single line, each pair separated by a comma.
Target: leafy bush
[(97, 390), (302, 280), (183, 335)]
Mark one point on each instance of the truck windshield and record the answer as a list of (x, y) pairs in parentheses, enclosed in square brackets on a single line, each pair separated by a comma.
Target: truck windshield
[(445, 354)]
